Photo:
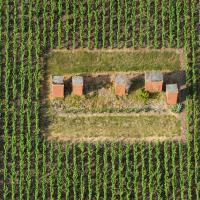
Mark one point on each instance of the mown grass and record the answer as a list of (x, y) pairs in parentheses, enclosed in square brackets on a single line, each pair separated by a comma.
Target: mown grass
[(80, 61), (115, 126)]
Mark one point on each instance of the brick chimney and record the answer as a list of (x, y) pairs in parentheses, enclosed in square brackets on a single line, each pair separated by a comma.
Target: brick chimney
[(77, 85), (153, 81), (172, 94), (120, 85), (57, 87)]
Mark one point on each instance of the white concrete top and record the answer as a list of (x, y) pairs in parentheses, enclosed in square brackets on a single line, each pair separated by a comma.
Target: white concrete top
[(153, 76), (58, 79), (77, 80), (121, 80), (172, 88)]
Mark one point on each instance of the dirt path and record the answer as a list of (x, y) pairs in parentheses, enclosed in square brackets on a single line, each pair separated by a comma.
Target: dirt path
[(117, 114), (111, 139)]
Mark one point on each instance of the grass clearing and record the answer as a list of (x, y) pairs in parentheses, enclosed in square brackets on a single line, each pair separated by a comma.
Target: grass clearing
[(80, 61), (115, 126)]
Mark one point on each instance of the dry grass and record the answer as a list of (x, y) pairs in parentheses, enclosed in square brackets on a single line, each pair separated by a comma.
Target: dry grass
[(114, 126)]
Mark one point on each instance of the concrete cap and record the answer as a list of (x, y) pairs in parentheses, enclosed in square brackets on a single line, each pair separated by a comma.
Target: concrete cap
[(172, 88), (77, 80), (58, 79), (120, 79), (154, 76)]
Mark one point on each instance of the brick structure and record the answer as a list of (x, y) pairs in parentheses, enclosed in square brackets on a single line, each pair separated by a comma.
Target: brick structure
[(153, 81), (57, 87), (77, 85), (120, 85), (172, 94)]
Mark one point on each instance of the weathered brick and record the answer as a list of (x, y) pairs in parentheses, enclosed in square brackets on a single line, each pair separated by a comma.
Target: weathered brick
[(153, 81), (77, 85), (57, 91), (57, 87), (172, 94), (120, 85)]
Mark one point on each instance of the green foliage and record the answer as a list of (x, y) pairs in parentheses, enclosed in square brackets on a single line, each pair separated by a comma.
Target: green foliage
[(171, 23), (104, 24), (148, 22), (163, 23), (111, 22), (177, 108), (60, 24), (133, 23), (119, 15), (141, 23), (105, 172), (144, 95), (67, 25), (156, 24), (96, 15), (74, 22), (90, 14), (126, 27), (33, 168)]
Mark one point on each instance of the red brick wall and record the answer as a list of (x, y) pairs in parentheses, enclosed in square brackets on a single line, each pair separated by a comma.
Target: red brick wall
[(57, 91), (77, 90), (120, 90), (172, 98), (154, 86)]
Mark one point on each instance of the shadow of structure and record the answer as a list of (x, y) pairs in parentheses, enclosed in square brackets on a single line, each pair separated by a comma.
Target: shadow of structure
[(91, 83), (136, 83), (94, 83), (67, 86)]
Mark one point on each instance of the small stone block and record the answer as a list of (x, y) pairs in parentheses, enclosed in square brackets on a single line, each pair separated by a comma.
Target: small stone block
[(172, 94), (58, 79), (77, 80)]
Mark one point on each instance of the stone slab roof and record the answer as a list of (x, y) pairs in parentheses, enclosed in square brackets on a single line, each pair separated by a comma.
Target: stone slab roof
[(154, 76), (58, 79), (172, 88), (77, 80), (121, 79)]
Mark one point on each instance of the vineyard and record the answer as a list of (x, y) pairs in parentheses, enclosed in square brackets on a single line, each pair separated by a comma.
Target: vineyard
[(34, 168)]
